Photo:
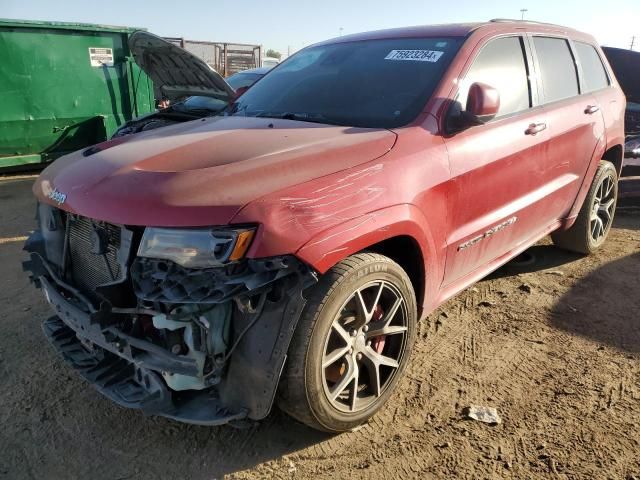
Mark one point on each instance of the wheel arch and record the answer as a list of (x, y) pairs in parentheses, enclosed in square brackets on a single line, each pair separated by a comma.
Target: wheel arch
[(615, 155), (405, 251), (400, 232)]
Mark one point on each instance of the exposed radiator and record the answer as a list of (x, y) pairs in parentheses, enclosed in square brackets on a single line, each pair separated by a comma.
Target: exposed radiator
[(93, 253)]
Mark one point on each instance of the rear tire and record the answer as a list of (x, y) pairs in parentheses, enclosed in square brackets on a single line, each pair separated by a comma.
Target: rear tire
[(351, 344), (594, 221)]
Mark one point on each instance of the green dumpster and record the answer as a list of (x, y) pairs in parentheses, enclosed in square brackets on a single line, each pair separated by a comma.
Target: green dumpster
[(64, 86)]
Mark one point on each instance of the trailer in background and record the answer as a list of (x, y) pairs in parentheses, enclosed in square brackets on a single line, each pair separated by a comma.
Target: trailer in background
[(224, 58), (63, 87)]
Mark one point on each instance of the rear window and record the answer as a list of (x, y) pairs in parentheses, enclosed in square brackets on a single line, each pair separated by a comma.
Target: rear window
[(557, 68), (595, 76)]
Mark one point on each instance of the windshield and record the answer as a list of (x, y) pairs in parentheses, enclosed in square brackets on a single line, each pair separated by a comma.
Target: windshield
[(374, 83)]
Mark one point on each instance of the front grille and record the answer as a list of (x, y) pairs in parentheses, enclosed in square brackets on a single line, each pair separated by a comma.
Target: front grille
[(93, 252)]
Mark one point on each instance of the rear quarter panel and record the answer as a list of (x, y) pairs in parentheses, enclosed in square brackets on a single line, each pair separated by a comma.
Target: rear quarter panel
[(612, 104)]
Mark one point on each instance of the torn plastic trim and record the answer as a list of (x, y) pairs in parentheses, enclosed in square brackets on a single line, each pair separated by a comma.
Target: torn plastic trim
[(132, 386), (90, 326), (39, 268), (159, 280), (249, 380)]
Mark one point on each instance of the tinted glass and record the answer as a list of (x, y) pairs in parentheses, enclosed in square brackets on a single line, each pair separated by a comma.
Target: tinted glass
[(501, 65), (240, 80), (558, 70), (375, 83), (201, 103), (594, 73)]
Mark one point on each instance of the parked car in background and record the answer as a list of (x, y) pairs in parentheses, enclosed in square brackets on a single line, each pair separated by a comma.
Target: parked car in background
[(246, 78), (287, 248), (270, 62), (626, 66)]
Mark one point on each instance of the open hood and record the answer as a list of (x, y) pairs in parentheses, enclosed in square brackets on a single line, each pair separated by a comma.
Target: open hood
[(175, 72)]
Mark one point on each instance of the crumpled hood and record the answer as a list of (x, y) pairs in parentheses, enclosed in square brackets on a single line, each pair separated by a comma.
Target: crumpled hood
[(202, 172)]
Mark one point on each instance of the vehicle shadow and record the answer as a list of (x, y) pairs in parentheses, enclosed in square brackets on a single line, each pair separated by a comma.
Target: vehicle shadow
[(168, 449), (548, 256), (627, 218), (604, 306), (535, 259)]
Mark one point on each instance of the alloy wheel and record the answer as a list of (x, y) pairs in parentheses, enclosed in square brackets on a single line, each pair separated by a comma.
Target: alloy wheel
[(364, 347), (602, 209)]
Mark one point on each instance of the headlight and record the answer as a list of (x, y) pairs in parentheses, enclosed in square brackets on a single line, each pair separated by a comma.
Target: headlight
[(196, 248)]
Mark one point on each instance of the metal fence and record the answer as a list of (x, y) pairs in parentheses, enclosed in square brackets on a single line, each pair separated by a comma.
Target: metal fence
[(224, 58)]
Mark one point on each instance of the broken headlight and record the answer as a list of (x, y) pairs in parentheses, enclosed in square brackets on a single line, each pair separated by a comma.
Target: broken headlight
[(196, 248)]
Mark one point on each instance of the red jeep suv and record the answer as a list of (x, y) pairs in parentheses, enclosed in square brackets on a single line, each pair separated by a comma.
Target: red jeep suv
[(285, 249)]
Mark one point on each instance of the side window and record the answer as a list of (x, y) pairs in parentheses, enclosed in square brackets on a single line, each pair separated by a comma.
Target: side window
[(557, 68), (595, 76), (501, 65)]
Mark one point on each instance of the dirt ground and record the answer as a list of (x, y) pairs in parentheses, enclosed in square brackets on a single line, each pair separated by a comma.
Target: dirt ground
[(554, 346)]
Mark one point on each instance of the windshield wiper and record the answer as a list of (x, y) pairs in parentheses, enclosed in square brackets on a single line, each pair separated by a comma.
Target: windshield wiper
[(208, 111), (301, 117)]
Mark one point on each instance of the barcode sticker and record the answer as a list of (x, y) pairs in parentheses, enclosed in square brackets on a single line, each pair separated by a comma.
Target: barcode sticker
[(414, 55)]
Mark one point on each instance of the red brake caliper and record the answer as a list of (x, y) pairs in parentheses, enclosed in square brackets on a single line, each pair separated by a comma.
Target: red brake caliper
[(377, 343)]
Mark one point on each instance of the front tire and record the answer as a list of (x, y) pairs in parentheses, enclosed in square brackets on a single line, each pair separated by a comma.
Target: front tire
[(351, 345), (595, 219)]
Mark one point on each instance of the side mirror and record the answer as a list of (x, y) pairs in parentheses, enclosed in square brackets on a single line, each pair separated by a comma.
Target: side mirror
[(240, 91), (483, 103)]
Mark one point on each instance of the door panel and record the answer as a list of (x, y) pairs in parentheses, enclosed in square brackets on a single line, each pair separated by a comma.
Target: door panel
[(498, 175), (498, 169), (574, 135), (575, 120)]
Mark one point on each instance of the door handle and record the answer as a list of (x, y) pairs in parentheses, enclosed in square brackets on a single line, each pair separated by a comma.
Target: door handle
[(535, 128), (591, 109)]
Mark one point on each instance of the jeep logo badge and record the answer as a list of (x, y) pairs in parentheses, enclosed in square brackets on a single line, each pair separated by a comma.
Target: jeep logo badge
[(57, 196)]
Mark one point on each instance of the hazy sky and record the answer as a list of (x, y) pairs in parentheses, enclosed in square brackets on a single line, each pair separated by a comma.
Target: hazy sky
[(281, 24)]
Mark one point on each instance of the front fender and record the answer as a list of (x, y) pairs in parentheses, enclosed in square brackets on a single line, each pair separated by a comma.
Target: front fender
[(333, 245)]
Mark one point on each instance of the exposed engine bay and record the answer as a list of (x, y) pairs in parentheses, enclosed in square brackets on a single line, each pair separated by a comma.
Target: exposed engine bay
[(202, 345), (185, 111), (149, 123)]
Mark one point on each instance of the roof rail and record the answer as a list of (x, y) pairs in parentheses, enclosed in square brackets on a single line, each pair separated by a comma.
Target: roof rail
[(500, 20)]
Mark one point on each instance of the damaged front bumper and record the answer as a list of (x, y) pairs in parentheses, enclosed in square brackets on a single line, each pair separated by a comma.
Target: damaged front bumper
[(201, 346)]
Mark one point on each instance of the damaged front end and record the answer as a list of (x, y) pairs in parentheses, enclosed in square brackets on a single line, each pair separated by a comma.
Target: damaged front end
[(201, 344)]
